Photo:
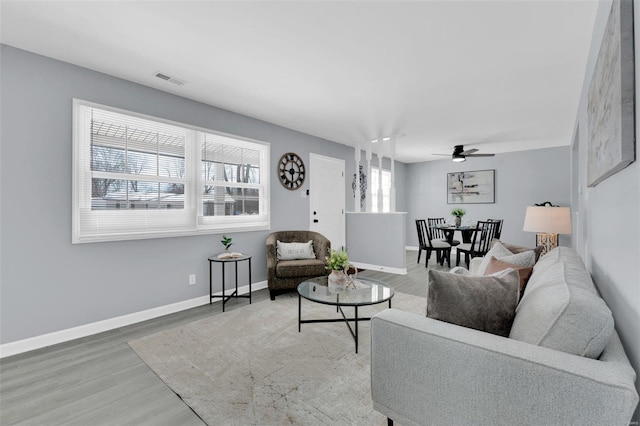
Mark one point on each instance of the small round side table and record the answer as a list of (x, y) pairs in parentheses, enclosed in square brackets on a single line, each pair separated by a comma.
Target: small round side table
[(235, 260)]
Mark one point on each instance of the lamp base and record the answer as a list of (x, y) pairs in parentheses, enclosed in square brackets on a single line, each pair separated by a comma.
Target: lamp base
[(548, 241)]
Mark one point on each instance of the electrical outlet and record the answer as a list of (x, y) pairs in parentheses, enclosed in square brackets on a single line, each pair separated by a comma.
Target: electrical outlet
[(192, 279)]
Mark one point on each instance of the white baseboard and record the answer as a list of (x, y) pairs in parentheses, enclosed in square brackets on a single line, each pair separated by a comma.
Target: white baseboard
[(37, 342), (399, 271)]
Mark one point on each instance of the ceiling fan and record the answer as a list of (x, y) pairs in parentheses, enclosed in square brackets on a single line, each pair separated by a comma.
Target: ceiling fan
[(459, 153)]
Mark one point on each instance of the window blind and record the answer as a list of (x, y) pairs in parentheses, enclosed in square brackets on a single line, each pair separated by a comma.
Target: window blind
[(137, 176)]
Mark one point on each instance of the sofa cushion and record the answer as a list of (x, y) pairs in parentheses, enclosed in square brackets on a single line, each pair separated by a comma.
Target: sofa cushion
[(557, 314), (300, 268), (483, 303), (524, 273), (292, 251), (575, 266)]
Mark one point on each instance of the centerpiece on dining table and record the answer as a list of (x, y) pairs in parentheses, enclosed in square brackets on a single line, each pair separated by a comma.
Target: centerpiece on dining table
[(458, 213)]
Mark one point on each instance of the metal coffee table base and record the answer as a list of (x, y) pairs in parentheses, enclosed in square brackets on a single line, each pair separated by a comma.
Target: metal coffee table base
[(355, 319)]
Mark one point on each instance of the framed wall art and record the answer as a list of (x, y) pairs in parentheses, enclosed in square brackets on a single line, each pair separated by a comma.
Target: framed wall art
[(474, 187), (610, 101)]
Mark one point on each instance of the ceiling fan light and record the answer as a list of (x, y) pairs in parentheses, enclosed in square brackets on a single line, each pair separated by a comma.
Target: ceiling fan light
[(458, 158)]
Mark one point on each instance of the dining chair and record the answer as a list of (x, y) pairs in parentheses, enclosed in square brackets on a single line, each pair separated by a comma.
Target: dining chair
[(440, 234), (480, 242), (429, 244), (499, 228)]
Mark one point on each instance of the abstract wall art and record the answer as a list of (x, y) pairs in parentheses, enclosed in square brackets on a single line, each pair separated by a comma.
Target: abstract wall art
[(363, 186), (610, 108), (474, 187)]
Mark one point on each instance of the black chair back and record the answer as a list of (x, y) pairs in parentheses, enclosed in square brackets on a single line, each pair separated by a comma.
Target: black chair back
[(435, 232), (421, 226), (499, 228), (482, 237)]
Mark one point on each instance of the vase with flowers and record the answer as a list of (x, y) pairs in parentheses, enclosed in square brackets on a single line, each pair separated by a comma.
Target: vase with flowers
[(338, 264), (458, 213)]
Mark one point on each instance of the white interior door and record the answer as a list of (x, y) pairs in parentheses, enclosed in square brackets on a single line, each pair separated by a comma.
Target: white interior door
[(327, 198)]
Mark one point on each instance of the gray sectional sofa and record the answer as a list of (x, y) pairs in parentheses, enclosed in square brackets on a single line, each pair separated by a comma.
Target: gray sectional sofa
[(562, 364)]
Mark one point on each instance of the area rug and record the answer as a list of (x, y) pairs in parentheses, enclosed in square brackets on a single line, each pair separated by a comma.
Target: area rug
[(251, 366)]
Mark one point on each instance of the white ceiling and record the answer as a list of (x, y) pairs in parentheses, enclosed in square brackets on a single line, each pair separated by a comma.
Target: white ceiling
[(496, 75)]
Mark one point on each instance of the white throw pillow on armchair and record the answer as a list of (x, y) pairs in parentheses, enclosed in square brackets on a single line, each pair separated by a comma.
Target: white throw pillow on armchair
[(295, 251)]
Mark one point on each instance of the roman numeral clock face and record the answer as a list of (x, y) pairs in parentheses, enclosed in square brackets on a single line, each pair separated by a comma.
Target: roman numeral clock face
[(291, 171)]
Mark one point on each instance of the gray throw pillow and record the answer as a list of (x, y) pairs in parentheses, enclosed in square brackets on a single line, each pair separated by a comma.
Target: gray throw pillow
[(483, 303)]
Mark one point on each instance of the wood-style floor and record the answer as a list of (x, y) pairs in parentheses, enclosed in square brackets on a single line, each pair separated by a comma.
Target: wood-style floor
[(99, 380)]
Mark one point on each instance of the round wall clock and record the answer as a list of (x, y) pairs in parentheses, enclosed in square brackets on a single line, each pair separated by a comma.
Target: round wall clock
[(291, 171)]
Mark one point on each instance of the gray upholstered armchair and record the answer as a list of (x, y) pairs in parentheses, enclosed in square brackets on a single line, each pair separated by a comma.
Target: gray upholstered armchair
[(285, 275)]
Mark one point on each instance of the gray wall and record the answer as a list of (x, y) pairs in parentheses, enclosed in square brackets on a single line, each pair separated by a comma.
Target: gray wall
[(46, 283), (521, 179), (610, 216), (381, 248)]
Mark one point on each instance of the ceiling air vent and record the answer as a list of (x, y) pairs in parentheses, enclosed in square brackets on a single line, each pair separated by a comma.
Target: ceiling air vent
[(170, 79)]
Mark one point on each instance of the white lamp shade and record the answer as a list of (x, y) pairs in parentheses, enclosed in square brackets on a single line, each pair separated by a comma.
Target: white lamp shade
[(550, 220)]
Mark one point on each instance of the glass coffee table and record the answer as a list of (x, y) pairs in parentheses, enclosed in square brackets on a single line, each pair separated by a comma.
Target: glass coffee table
[(368, 292)]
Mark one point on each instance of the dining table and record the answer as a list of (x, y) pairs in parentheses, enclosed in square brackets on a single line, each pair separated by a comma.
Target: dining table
[(465, 230)]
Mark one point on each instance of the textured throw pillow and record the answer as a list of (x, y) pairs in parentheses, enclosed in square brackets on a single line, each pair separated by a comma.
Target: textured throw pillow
[(521, 260), (459, 270), (483, 303), (496, 265), (519, 249), (499, 251), (294, 251)]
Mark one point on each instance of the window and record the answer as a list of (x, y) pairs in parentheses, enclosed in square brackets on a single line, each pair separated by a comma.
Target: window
[(230, 179), (142, 177), (386, 189)]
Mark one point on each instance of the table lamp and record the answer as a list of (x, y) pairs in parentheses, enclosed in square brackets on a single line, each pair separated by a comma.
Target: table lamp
[(548, 221)]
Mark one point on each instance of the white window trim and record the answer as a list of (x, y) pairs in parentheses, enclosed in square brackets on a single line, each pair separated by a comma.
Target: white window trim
[(171, 223), (374, 189)]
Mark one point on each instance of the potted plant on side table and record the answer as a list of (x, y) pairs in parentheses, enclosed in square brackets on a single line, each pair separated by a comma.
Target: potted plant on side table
[(228, 242), (458, 213)]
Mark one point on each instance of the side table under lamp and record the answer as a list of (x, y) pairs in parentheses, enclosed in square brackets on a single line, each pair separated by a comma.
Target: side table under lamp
[(548, 221)]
